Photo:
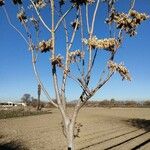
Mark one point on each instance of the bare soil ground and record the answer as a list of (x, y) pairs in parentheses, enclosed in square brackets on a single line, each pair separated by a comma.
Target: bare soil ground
[(103, 129)]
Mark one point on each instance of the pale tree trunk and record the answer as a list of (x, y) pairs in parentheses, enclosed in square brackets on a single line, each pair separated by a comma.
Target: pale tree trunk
[(70, 127), (70, 136)]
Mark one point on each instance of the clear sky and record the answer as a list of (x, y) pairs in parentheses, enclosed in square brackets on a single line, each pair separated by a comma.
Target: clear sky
[(16, 74)]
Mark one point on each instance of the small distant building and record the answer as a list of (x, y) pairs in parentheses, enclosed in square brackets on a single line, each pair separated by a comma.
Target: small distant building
[(11, 104), (21, 104), (7, 104)]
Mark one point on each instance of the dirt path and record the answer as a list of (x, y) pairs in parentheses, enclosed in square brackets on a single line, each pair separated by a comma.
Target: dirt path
[(102, 129)]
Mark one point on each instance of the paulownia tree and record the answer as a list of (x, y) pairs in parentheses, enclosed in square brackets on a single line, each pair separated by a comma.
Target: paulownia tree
[(34, 15)]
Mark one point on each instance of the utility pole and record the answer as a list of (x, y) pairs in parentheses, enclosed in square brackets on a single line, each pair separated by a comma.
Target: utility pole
[(39, 94)]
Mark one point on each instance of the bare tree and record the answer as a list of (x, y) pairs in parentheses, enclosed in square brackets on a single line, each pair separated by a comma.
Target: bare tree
[(83, 59), (26, 98)]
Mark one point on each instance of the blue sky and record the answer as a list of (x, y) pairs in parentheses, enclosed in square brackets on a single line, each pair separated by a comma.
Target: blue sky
[(16, 74)]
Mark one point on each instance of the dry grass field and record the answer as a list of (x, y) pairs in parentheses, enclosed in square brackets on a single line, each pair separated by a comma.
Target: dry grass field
[(103, 129)]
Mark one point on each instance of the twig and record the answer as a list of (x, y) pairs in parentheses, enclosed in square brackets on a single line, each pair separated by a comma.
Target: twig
[(82, 36), (64, 78), (10, 23), (40, 82), (37, 12), (100, 84), (90, 69), (132, 4), (94, 16), (91, 33), (34, 66), (120, 37), (61, 19), (73, 35), (87, 18)]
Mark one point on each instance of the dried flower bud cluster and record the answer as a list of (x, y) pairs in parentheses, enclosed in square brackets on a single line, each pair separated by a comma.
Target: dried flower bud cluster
[(81, 2), (138, 16), (90, 1), (17, 2), (110, 44), (35, 23), (75, 24), (75, 56), (22, 16), (77, 129), (61, 2), (57, 60), (123, 71), (66, 71), (40, 4), (45, 46), (127, 22), (112, 66), (2, 2)]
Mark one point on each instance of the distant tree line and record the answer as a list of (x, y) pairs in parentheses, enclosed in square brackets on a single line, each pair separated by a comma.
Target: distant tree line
[(114, 103), (31, 101), (111, 103)]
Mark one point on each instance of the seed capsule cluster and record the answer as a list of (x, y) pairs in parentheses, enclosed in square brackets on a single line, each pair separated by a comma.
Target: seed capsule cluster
[(40, 4), (127, 22), (110, 44), (35, 23), (61, 2), (75, 56), (81, 2), (123, 71), (75, 24), (22, 16), (46, 46), (2, 2), (57, 60), (17, 2)]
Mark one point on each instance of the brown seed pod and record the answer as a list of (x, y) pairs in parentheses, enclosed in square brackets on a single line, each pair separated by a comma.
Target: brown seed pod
[(46, 46), (22, 16), (2, 2), (81, 2), (75, 56), (123, 71), (75, 24), (40, 4), (17, 2), (57, 60), (127, 22), (109, 44)]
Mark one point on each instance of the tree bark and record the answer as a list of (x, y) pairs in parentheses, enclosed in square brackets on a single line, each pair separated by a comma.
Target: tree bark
[(70, 136)]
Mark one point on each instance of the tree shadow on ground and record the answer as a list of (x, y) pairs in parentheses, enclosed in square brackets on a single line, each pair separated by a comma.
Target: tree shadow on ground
[(12, 145), (140, 123), (109, 139)]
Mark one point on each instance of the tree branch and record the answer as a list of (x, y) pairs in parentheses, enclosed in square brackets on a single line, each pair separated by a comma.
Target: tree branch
[(100, 84), (38, 14), (61, 19), (87, 18), (82, 36), (40, 82), (10, 23), (94, 16)]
